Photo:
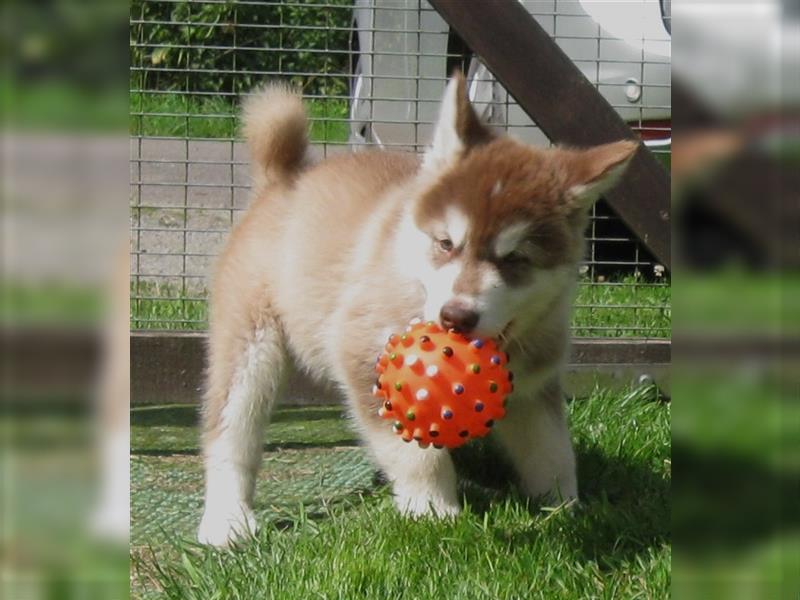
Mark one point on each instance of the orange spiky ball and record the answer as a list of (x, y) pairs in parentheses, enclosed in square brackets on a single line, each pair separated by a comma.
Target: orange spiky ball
[(440, 387)]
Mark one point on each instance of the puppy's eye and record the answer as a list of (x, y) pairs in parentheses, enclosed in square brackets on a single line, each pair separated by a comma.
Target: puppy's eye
[(445, 245)]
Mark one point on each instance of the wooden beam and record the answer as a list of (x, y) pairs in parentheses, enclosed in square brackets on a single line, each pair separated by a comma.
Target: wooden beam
[(565, 105), (50, 363), (167, 368)]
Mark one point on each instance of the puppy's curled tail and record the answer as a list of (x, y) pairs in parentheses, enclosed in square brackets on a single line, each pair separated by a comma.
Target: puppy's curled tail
[(275, 124)]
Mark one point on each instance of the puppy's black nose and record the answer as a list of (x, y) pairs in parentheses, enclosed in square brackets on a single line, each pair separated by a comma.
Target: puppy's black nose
[(455, 316)]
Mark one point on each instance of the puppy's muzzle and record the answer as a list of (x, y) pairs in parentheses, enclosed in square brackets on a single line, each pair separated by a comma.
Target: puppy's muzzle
[(456, 316)]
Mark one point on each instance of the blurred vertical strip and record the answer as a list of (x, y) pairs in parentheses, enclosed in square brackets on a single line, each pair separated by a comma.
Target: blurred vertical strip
[(64, 157), (736, 346)]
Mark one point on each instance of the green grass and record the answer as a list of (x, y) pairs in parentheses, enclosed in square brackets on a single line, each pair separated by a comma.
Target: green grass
[(216, 117), (632, 310), (51, 304), (174, 429), (614, 545), (623, 307), (48, 468), (155, 306), (740, 301), (61, 106)]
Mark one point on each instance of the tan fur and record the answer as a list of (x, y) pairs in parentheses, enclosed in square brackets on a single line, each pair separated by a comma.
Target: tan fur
[(281, 223), (319, 267), (276, 127)]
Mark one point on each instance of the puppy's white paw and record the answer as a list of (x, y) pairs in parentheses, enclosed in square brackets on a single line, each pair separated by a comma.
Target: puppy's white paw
[(424, 505), (222, 528)]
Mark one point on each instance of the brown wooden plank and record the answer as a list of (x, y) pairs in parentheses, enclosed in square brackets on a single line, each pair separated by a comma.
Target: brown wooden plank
[(567, 107), (167, 367), (50, 363)]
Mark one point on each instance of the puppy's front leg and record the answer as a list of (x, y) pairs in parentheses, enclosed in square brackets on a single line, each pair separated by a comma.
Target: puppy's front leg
[(423, 480), (536, 437)]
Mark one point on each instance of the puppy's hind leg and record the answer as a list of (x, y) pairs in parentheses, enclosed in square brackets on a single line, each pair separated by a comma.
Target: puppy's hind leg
[(245, 376)]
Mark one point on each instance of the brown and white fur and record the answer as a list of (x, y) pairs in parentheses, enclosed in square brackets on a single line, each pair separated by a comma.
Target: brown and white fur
[(483, 233)]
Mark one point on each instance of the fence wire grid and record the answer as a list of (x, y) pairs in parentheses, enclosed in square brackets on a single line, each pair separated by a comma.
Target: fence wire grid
[(372, 73)]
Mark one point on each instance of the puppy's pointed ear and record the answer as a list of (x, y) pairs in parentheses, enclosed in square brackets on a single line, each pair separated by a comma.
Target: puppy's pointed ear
[(458, 127), (596, 170)]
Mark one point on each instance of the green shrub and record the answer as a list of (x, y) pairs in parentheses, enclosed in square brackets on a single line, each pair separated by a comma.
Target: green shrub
[(289, 37)]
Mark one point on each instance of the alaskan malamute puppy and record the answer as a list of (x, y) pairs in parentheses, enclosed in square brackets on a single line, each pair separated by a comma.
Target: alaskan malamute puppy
[(482, 233)]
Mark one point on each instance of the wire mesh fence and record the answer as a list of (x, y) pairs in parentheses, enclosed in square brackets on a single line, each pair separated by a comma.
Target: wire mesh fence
[(372, 73)]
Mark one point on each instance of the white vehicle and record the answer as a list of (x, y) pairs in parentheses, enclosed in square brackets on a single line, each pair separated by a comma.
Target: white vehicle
[(405, 51)]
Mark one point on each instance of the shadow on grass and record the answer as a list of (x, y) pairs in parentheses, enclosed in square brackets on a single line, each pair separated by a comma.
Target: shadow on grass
[(188, 415), (268, 447), (353, 501), (725, 500), (175, 430), (624, 509)]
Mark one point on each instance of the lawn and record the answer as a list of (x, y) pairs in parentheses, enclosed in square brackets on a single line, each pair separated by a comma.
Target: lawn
[(624, 307), (329, 530), (166, 114)]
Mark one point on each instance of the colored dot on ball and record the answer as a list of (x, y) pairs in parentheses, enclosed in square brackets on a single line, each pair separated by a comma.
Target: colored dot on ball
[(393, 356), (418, 434), (432, 371), (422, 394), (489, 423), (404, 337), (478, 406), (387, 405), (438, 446), (397, 426), (477, 343), (393, 338), (508, 357), (458, 388), (510, 376), (424, 339), (492, 386), (381, 412), (415, 321), (495, 360), (411, 360), (463, 433), (398, 386), (410, 415), (434, 430), (378, 383), (475, 368), (447, 351), (447, 413)]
